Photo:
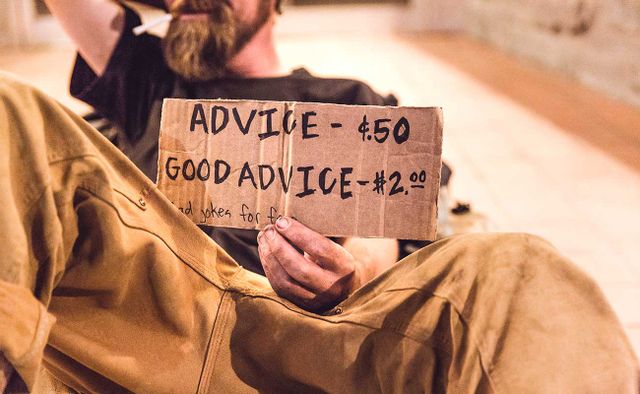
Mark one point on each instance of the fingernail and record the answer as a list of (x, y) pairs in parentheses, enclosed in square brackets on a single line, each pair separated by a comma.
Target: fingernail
[(282, 223), (270, 233)]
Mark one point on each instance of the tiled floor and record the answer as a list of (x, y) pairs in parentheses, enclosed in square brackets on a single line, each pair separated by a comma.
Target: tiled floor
[(526, 167)]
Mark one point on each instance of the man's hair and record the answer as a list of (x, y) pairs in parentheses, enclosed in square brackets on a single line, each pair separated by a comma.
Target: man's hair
[(279, 6)]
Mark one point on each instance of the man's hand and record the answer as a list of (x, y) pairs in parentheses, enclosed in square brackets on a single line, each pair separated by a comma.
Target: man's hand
[(318, 279)]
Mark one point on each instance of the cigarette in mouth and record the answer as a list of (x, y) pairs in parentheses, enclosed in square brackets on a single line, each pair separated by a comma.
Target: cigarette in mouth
[(143, 28)]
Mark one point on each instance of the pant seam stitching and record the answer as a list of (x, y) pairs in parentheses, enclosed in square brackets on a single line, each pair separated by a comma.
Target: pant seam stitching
[(327, 320), (210, 357), (180, 254), (483, 363), (78, 156)]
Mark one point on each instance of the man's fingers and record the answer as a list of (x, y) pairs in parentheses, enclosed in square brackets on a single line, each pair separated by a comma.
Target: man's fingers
[(304, 271), (321, 278), (325, 252), (283, 284)]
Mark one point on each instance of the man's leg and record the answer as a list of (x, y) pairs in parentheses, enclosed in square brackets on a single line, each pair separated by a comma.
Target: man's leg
[(474, 313), (89, 242)]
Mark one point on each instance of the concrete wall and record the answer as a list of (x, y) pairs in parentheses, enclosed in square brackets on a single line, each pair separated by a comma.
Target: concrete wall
[(596, 41)]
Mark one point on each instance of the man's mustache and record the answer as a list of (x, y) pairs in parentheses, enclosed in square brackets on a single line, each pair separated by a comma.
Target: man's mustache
[(199, 6)]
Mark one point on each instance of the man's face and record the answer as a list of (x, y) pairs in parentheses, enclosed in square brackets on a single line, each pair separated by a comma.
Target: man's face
[(205, 34)]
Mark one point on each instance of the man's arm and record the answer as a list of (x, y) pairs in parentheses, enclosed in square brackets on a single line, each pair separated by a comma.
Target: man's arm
[(94, 25)]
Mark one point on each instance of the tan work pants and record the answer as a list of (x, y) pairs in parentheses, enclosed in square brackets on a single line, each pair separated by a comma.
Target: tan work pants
[(112, 289)]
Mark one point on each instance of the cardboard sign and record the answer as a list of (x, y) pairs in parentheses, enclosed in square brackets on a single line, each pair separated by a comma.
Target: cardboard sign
[(342, 170)]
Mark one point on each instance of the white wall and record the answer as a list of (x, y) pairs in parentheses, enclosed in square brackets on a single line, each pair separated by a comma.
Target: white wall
[(595, 41)]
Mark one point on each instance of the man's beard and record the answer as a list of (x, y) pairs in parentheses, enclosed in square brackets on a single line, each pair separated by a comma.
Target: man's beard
[(199, 49)]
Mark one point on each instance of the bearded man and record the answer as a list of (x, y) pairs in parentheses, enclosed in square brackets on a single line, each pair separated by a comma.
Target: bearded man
[(212, 49)]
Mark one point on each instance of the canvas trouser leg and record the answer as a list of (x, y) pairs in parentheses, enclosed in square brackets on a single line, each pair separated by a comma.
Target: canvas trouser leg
[(143, 301), (473, 313), (89, 242)]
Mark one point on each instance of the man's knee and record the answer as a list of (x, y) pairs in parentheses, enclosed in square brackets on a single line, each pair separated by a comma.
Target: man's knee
[(496, 265), (483, 251), (520, 275), (488, 252)]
